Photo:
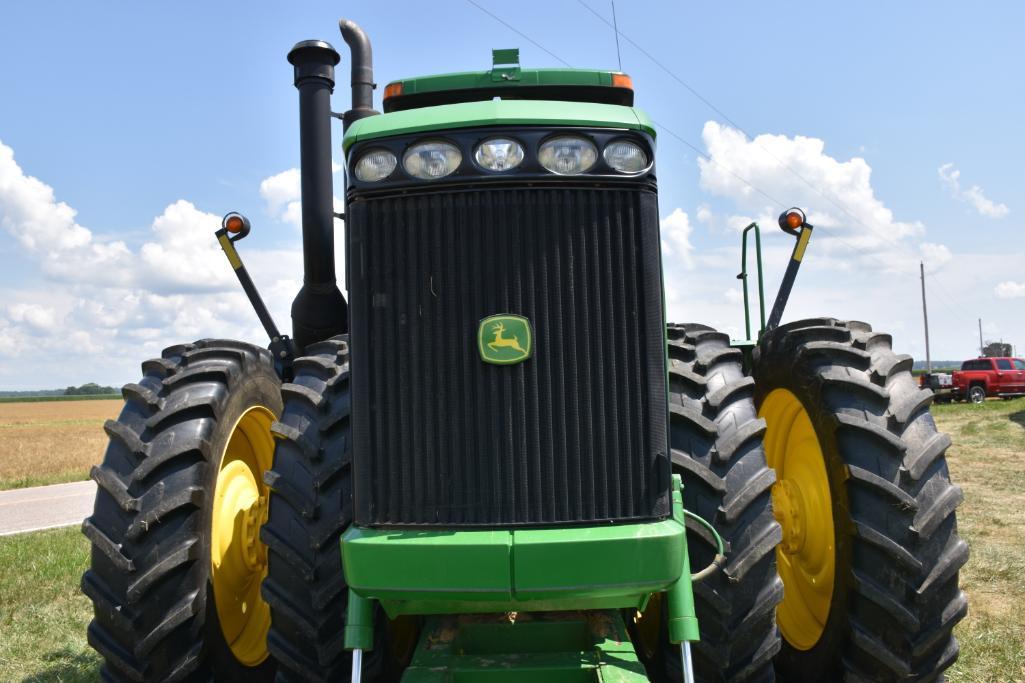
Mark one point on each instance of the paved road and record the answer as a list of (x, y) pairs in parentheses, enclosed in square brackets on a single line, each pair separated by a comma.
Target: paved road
[(45, 507)]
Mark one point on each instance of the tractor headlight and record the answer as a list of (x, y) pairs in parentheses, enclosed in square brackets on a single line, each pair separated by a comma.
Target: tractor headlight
[(377, 164), (430, 160), (568, 155), (625, 157), (499, 154)]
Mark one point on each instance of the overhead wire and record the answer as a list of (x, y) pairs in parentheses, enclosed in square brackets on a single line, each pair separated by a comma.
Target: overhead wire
[(697, 150), (520, 33), (944, 299), (737, 126)]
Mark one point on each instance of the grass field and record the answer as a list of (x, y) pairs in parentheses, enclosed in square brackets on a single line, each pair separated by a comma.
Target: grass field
[(988, 461), (47, 442), (43, 399), (43, 616)]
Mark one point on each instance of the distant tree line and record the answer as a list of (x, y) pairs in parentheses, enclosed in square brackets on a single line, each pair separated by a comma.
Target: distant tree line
[(89, 389)]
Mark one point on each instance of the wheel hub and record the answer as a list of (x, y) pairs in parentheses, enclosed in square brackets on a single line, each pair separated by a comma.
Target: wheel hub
[(238, 559), (803, 506), (788, 507)]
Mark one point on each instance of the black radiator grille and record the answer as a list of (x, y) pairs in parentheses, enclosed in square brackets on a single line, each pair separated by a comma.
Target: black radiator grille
[(574, 434)]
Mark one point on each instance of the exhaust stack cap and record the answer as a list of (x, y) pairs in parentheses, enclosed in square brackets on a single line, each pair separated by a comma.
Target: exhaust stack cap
[(314, 59)]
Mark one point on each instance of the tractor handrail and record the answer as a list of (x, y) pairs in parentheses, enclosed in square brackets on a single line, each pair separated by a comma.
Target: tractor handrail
[(743, 277)]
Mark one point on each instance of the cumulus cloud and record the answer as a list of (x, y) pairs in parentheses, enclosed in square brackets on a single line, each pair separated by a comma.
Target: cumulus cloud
[(1010, 290), (676, 231), (950, 176), (117, 305), (37, 319), (854, 225), (282, 192)]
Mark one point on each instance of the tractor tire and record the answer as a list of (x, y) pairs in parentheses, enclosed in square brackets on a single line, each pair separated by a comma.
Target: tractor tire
[(716, 440), (310, 507), (870, 553), (152, 579)]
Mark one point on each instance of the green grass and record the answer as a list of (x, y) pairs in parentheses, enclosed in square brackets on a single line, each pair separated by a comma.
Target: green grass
[(38, 399), (43, 615), (987, 460), (29, 480)]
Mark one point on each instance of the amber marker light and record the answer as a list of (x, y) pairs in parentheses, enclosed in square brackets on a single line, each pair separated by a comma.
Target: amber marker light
[(392, 90), (234, 223), (792, 219), (622, 81)]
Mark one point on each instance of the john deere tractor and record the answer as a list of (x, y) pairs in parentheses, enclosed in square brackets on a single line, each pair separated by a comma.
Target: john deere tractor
[(491, 459)]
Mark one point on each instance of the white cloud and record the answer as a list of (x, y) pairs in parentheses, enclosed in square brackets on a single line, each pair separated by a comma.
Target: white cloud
[(282, 193), (116, 306), (950, 176), (676, 231), (1010, 290), (184, 255), (37, 319), (854, 228)]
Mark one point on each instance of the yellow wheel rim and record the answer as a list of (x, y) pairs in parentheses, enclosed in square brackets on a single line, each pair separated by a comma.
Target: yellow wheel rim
[(804, 508), (238, 559)]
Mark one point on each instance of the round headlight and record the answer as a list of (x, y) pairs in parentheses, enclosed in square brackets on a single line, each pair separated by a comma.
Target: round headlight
[(625, 157), (567, 155), (430, 160), (499, 154), (377, 164)]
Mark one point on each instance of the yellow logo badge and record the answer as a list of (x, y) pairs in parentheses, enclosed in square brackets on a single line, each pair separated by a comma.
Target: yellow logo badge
[(504, 339)]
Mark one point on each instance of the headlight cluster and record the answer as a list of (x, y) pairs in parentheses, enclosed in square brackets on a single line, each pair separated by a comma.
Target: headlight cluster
[(561, 155)]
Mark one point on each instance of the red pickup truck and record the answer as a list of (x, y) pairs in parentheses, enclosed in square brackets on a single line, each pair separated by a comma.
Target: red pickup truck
[(982, 377)]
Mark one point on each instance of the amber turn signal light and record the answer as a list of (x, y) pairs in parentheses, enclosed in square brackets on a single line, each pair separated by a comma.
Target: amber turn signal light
[(792, 219), (234, 223), (622, 81)]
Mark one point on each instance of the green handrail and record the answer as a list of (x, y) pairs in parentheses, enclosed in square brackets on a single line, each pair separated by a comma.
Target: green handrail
[(743, 277)]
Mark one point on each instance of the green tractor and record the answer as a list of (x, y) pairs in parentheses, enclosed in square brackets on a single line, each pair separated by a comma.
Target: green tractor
[(491, 459)]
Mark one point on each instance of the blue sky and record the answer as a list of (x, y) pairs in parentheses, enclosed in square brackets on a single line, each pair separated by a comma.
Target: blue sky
[(127, 128)]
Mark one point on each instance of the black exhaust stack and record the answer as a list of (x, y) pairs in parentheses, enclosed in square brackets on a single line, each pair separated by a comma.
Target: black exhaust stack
[(362, 77), (319, 310)]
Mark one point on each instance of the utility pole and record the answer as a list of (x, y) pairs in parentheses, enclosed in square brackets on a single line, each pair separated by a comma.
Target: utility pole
[(982, 347), (925, 316)]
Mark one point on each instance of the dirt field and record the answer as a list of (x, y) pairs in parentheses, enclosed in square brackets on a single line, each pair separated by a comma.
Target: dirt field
[(48, 442)]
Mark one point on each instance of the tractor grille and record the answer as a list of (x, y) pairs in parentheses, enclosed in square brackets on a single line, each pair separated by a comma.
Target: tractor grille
[(574, 434)]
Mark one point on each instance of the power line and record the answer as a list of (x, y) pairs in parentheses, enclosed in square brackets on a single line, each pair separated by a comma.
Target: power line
[(699, 151), (693, 147), (521, 34), (615, 29), (733, 123), (709, 159)]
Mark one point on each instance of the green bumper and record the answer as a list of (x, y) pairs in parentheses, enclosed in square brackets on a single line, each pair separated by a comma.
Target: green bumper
[(450, 572)]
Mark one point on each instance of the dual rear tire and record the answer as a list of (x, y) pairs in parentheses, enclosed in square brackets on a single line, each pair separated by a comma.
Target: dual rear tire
[(832, 437)]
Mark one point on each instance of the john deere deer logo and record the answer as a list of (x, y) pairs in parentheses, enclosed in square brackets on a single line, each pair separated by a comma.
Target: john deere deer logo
[(504, 339)]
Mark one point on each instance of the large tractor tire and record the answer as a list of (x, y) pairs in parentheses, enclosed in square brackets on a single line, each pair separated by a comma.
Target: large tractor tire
[(176, 558), (716, 440), (310, 507), (870, 552)]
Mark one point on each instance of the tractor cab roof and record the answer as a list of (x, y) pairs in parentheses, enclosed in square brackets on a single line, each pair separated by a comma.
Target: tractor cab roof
[(507, 81)]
